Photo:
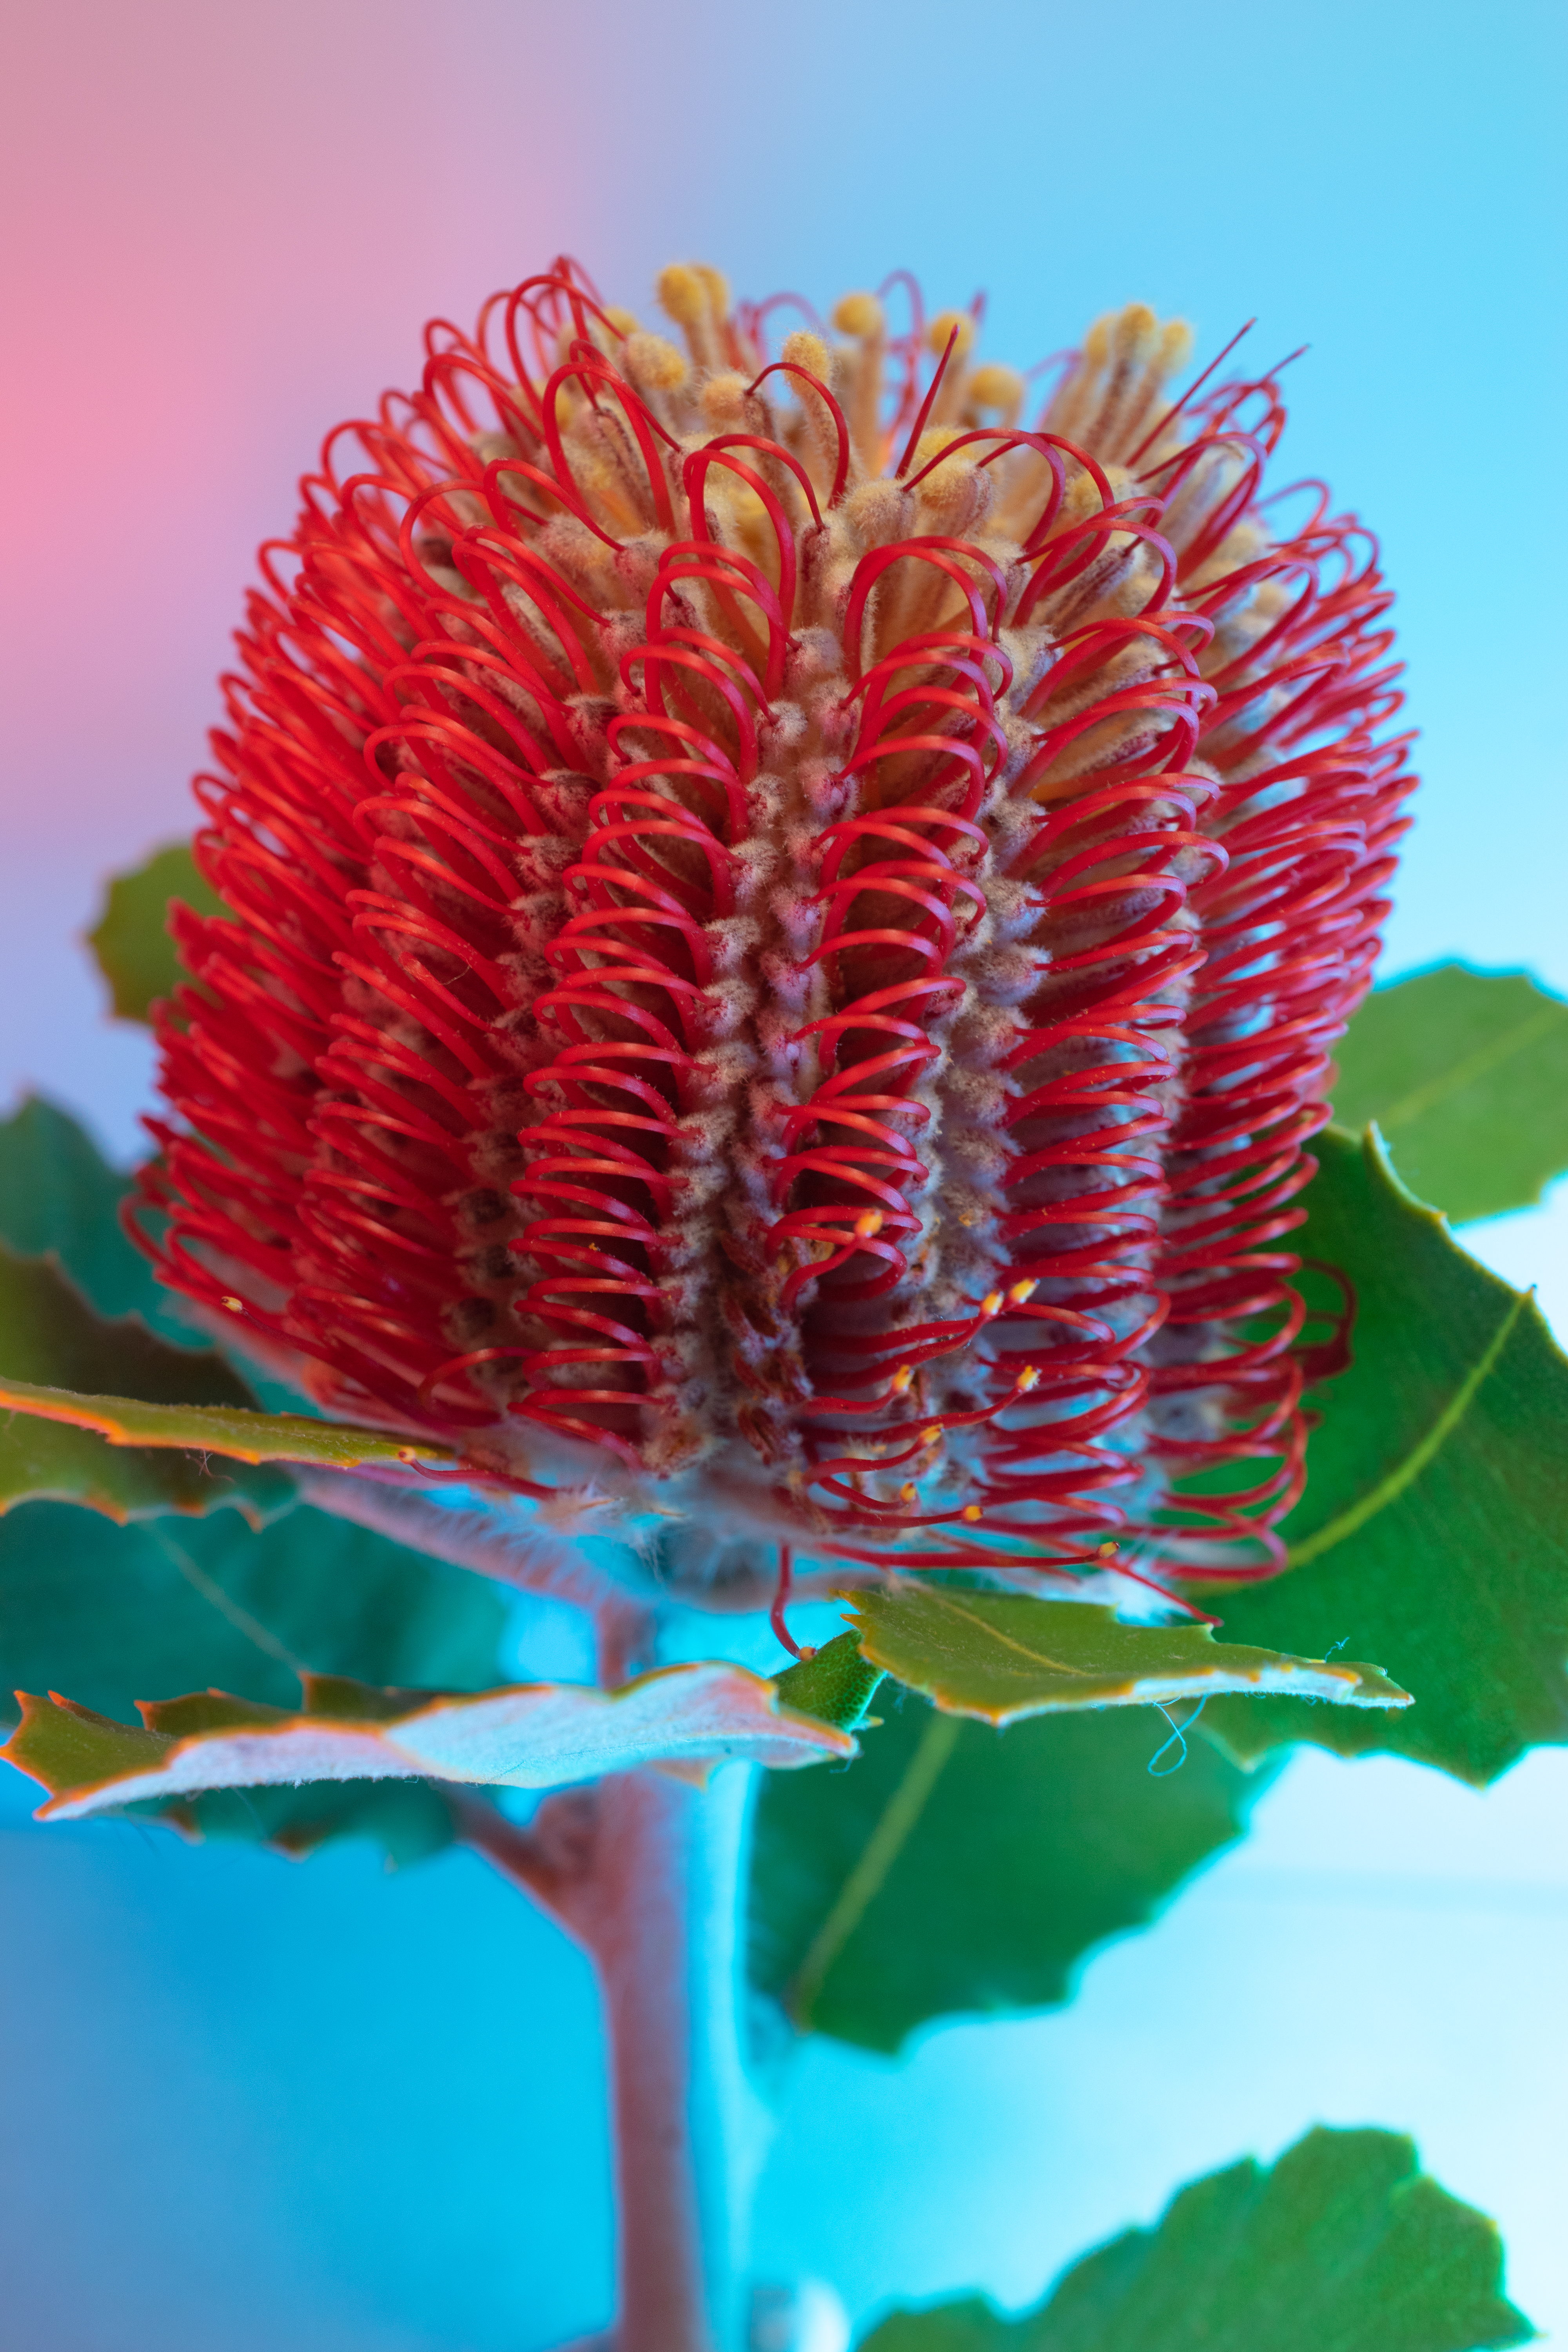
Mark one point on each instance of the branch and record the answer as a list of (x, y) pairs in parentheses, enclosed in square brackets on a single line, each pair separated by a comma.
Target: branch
[(551, 1859)]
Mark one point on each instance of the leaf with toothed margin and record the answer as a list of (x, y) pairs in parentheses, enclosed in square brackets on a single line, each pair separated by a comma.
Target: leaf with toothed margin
[(1343, 2245), (130, 938), (1002, 1656), (80, 1380), (1434, 1529), (173, 1603), (531, 1735), (239, 1435), (834, 1682), (1466, 1074), (50, 1337), (954, 1869)]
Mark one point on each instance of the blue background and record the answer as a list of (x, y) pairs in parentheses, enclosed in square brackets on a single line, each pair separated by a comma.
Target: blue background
[(249, 2103)]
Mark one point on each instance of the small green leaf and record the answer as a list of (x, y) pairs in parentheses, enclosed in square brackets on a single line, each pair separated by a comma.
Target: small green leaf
[(528, 1736), (1467, 1074), (1433, 1531), (1344, 2246), (1002, 1656), (131, 939), (955, 1868), (49, 1333), (834, 1682)]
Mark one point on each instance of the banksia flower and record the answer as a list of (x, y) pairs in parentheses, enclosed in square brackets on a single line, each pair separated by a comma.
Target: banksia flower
[(785, 930)]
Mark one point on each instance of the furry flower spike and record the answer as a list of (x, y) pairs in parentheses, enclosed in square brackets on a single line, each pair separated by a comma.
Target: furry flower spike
[(786, 915)]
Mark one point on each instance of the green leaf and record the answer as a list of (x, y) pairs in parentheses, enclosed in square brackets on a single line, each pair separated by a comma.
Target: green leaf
[(239, 1434), (1344, 2246), (1002, 1656), (59, 1193), (1467, 1074), (1433, 1531), (131, 939), (956, 1868), (527, 1735), (49, 1333), (169, 1604), (174, 1604), (834, 1683)]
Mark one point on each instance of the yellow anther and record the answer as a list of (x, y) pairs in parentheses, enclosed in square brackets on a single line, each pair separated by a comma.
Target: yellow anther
[(807, 351), (932, 1436), (971, 1511), (991, 1303), (859, 315), (1028, 1377), (653, 365), (1175, 347), (906, 1493), (941, 327), (724, 398), (1135, 338), (995, 387), (1022, 1292), (1108, 1550), (717, 286), (1097, 342), (234, 1306), (627, 321), (868, 1221), (902, 1379), (682, 295)]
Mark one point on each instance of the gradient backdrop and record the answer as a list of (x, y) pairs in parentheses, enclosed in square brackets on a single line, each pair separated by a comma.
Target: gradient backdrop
[(249, 2103)]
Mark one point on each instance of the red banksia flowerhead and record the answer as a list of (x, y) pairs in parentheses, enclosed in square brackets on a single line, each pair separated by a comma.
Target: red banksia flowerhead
[(786, 920)]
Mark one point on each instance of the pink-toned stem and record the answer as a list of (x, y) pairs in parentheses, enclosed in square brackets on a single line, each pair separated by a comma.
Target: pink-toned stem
[(646, 1872)]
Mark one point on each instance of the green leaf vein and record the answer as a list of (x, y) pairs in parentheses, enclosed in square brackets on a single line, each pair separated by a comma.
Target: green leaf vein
[(1464, 1073), (1405, 1473), (881, 1850)]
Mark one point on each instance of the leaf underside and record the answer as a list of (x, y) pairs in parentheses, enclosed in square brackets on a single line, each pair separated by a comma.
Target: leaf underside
[(1467, 1074), (529, 1736), (957, 1869), (1001, 1657), (1433, 1531), (1344, 2246)]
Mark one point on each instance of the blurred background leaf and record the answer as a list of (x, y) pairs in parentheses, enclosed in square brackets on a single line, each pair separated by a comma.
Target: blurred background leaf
[(1466, 1072), (57, 1192), (1344, 2246), (956, 1869), (52, 1341), (130, 938), (114, 1614)]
